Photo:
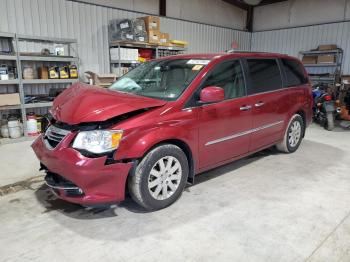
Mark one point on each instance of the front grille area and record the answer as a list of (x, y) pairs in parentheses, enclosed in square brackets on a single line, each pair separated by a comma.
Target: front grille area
[(57, 182), (55, 135)]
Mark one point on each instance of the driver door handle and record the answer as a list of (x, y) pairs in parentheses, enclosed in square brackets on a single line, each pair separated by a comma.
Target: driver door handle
[(259, 104), (245, 108)]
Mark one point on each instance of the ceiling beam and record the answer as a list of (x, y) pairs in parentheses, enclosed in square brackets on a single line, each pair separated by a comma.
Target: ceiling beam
[(250, 10), (250, 19), (237, 3), (269, 2), (241, 4), (162, 7)]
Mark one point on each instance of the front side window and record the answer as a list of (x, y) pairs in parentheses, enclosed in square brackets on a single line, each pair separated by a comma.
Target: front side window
[(294, 73), (162, 79), (229, 76), (265, 75)]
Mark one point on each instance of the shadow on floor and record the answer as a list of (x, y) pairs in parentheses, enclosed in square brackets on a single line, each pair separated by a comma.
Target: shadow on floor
[(211, 174), (52, 203)]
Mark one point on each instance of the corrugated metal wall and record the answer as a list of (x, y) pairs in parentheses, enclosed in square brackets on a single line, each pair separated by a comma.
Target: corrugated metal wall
[(292, 41), (88, 23)]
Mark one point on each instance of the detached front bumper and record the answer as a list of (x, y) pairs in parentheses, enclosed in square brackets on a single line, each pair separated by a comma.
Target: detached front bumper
[(82, 180)]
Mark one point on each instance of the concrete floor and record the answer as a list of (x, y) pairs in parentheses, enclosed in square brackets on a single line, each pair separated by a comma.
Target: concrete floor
[(268, 207)]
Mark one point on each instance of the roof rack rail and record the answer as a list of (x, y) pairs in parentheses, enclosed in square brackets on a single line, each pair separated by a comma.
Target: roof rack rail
[(242, 51)]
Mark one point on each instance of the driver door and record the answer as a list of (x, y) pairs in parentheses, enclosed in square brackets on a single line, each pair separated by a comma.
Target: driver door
[(224, 126)]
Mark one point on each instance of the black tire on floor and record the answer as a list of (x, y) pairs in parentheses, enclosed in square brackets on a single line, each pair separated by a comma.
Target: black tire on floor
[(285, 145), (329, 125), (139, 181)]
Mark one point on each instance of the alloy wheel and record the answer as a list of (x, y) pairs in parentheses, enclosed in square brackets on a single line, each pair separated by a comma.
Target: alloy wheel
[(164, 178), (294, 134)]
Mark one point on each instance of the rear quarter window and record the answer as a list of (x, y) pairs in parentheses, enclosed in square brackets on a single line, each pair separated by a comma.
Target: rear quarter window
[(294, 73), (265, 75)]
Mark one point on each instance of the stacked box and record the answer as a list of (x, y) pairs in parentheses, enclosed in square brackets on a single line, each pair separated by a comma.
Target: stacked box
[(309, 60), (327, 47), (152, 23), (139, 29), (153, 36), (121, 29), (130, 54), (326, 59), (152, 26), (164, 39), (9, 99)]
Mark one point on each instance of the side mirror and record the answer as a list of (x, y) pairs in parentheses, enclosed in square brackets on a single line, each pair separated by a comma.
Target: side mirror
[(211, 94)]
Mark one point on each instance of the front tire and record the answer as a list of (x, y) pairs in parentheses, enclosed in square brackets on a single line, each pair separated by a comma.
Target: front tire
[(293, 135), (159, 178)]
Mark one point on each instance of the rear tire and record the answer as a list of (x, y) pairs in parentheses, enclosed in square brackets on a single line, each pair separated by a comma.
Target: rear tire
[(293, 135), (159, 178), (329, 125)]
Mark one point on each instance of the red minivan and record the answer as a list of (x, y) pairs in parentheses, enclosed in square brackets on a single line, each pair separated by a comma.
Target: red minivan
[(169, 119)]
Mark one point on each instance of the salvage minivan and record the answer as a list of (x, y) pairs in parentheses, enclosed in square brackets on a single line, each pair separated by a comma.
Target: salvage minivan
[(169, 119)]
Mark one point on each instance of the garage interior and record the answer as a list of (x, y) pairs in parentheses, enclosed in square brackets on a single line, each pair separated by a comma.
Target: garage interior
[(268, 206)]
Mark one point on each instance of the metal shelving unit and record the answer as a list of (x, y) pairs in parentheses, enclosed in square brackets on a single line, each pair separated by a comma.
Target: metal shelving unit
[(8, 57), (48, 58), (9, 82), (317, 52), (49, 81), (325, 72), (37, 105), (125, 62), (321, 65), (10, 107), (155, 47), (24, 84)]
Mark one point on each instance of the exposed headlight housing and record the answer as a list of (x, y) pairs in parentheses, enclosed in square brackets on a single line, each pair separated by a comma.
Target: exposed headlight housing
[(98, 141)]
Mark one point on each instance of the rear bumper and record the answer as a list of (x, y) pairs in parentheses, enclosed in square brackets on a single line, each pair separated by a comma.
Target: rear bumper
[(97, 182)]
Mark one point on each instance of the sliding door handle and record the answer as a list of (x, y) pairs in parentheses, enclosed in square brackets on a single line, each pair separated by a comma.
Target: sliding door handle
[(259, 104), (245, 108)]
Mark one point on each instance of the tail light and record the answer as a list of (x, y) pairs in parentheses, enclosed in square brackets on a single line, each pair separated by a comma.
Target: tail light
[(327, 98)]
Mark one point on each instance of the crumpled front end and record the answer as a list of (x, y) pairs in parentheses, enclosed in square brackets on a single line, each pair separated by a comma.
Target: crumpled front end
[(77, 178)]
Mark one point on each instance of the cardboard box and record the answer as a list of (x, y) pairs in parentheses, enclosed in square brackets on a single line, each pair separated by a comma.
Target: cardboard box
[(309, 59), (103, 80), (326, 59), (152, 23), (9, 99), (345, 79), (164, 38), (153, 36), (327, 47)]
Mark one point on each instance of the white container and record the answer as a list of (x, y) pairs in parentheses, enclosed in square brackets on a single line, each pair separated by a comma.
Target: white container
[(4, 77), (5, 131), (14, 128), (32, 125)]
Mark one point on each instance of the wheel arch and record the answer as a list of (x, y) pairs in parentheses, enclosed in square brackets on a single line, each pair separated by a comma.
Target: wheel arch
[(302, 113), (177, 142), (185, 148)]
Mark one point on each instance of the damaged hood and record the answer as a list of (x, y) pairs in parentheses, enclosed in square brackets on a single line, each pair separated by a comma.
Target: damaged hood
[(83, 103)]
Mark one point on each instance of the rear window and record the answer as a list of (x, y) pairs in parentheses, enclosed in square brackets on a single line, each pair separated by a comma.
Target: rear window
[(265, 75), (294, 73)]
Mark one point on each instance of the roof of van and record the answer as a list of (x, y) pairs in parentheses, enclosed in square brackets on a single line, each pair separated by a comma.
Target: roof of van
[(211, 56)]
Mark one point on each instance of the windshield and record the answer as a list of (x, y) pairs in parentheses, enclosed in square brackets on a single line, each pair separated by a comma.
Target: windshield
[(162, 79)]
